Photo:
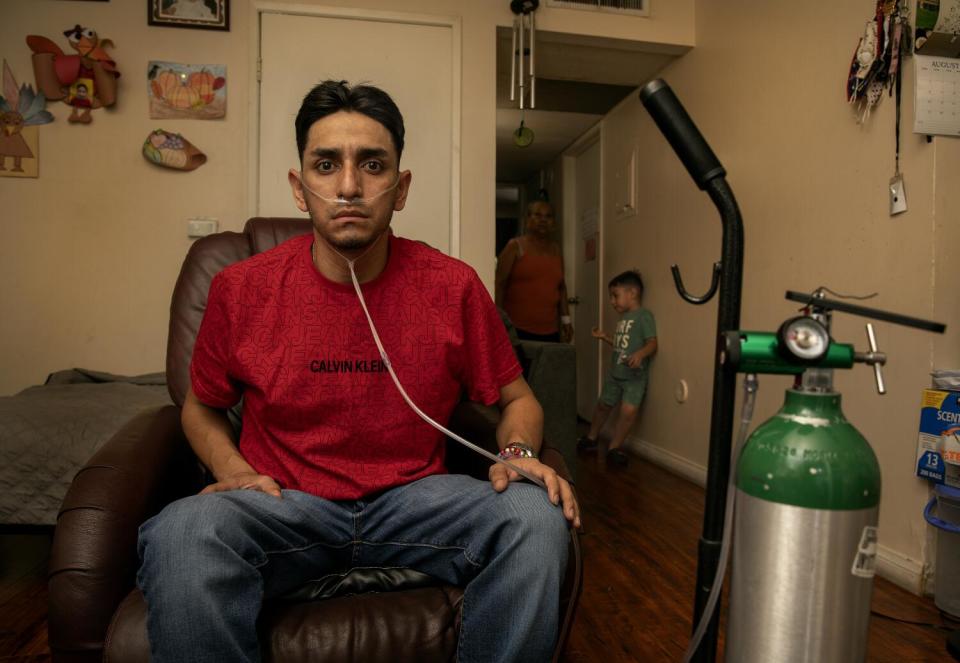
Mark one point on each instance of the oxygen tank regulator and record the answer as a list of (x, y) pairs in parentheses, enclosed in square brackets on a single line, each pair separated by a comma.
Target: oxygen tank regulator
[(803, 343), (805, 485)]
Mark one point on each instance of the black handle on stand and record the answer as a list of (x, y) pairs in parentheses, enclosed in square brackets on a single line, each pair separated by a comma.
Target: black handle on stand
[(693, 299), (680, 131), (708, 173)]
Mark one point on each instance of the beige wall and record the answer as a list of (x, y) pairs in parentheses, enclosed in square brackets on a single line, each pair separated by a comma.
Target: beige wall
[(92, 248), (765, 86)]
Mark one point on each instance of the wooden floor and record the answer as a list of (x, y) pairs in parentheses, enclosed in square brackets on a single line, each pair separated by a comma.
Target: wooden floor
[(641, 527), (23, 597)]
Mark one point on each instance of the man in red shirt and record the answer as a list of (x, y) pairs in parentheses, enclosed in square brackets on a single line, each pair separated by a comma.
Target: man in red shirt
[(333, 469)]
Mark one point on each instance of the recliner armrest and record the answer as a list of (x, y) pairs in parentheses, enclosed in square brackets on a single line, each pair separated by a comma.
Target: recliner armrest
[(552, 375), (144, 466)]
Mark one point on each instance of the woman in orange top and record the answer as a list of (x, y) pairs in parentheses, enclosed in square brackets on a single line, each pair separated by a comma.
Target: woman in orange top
[(529, 280)]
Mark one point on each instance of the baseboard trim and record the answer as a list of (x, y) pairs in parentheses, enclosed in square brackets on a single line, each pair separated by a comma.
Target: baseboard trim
[(668, 460), (899, 569), (896, 567)]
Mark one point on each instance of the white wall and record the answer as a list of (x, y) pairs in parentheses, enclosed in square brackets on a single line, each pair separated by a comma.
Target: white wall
[(765, 85), (92, 248)]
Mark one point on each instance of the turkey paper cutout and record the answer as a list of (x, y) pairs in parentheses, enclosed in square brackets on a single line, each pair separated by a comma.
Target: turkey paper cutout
[(21, 109), (84, 80)]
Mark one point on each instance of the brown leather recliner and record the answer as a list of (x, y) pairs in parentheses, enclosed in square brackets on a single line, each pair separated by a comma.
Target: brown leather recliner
[(97, 613)]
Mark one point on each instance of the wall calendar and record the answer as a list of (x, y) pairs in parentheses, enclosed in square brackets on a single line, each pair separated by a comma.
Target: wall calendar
[(937, 96)]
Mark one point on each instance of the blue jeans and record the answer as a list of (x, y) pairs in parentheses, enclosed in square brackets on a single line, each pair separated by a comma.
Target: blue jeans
[(208, 561)]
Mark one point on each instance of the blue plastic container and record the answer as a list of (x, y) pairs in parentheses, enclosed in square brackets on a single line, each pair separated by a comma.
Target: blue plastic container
[(943, 512)]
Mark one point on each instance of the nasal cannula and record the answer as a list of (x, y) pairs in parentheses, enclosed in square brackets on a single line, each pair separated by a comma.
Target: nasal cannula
[(340, 200)]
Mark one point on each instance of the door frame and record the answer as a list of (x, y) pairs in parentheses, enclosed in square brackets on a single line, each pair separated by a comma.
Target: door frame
[(571, 237), (259, 7)]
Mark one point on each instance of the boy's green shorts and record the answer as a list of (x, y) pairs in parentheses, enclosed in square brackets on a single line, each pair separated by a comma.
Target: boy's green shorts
[(615, 390)]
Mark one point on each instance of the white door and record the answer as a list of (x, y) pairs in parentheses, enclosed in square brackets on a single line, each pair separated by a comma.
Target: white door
[(413, 61), (586, 261)]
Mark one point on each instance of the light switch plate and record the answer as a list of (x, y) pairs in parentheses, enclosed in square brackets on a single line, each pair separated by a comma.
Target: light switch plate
[(201, 226), (898, 196)]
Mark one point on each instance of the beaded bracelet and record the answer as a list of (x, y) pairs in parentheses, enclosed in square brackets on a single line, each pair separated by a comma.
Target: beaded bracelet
[(517, 450)]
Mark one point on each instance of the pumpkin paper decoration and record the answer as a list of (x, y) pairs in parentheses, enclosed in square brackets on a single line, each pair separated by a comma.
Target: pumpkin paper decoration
[(183, 97), (186, 91), (205, 84)]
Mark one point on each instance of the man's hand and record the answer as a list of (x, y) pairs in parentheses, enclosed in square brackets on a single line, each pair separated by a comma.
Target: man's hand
[(566, 333), (522, 419), (558, 489), (245, 481)]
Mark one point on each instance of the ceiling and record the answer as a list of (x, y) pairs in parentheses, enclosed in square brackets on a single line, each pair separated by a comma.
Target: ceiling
[(579, 80), (553, 131)]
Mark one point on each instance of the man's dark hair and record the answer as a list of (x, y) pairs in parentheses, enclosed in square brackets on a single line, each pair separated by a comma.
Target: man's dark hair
[(630, 278), (332, 96)]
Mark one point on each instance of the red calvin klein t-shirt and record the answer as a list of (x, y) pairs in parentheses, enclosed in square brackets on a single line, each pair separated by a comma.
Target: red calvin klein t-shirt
[(320, 412)]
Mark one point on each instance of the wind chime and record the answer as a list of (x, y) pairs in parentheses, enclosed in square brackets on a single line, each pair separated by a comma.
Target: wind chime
[(524, 28)]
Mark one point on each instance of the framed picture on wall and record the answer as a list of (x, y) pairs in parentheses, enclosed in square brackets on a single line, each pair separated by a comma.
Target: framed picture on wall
[(202, 14)]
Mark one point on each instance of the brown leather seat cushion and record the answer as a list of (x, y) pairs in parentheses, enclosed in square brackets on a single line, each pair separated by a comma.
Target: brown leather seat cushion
[(413, 625)]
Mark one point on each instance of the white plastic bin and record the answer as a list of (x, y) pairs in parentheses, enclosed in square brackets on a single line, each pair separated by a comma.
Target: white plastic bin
[(943, 512)]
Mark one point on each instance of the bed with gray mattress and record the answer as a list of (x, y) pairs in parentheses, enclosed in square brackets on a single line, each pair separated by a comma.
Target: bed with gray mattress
[(49, 431)]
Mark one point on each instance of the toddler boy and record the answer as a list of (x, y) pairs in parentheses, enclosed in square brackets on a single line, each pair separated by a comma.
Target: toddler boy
[(634, 342)]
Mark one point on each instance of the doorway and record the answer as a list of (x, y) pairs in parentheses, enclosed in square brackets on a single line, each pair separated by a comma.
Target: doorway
[(508, 214), (578, 81)]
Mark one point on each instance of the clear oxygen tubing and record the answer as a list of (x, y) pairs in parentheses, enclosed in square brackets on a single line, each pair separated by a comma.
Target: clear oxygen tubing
[(386, 360), (340, 200), (750, 386)]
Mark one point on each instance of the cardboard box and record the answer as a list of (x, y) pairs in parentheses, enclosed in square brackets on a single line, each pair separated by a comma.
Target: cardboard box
[(938, 444)]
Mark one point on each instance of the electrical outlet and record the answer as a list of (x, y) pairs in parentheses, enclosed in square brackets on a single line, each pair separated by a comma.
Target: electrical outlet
[(201, 226), (898, 196)]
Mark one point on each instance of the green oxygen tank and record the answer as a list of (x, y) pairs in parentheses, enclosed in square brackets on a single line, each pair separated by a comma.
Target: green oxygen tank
[(807, 497), (805, 535)]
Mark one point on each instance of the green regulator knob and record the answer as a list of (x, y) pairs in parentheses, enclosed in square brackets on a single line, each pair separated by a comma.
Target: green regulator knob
[(800, 344), (764, 352)]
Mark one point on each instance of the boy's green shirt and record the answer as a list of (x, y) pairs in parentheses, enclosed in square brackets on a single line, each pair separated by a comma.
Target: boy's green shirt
[(633, 331)]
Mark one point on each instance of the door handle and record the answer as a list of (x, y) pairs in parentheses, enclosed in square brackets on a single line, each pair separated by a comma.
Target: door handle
[(573, 300)]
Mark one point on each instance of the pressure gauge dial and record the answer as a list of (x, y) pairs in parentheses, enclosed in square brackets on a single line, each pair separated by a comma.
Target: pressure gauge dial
[(804, 338)]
